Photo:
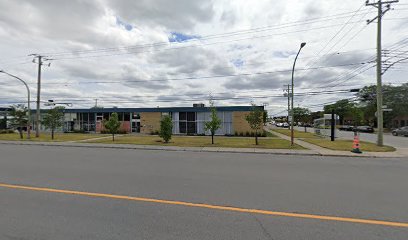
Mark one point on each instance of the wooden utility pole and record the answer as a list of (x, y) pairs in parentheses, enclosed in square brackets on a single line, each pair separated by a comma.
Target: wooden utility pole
[(40, 62), (288, 94), (37, 114), (380, 122)]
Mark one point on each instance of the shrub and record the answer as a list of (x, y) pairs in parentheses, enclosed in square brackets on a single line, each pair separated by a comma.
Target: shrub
[(241, 134), (166, 128), (236, 133), (252, 134), (83, 131), (5, 131), (247, 134)]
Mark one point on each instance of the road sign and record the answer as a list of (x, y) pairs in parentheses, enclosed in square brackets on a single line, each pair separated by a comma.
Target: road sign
[(384, 110)]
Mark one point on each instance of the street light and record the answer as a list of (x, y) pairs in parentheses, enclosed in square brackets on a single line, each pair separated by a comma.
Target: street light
[(291, 112), (28, 102)]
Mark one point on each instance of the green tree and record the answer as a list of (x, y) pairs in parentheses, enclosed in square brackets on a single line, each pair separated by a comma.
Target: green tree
[(112, 125), (166, 128), (356, 114), (215, 122), (255, 120), (265, 117), (341, 108), (394, 97), (3, 123), (301, 114), (19, 118), (53, 119)]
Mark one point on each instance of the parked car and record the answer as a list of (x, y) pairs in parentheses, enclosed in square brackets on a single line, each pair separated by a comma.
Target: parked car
[(346, 128), (366, 129), (285, 125), (403, 131), (279, 124)]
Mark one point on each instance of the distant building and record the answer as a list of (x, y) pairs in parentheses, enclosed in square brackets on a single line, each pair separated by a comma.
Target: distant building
[(400, 121)]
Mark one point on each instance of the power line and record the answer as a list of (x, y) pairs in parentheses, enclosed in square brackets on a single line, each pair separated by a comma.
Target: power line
[(201, 77)]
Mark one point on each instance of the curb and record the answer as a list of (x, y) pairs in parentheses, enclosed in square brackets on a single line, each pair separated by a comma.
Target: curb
[(191, 149)]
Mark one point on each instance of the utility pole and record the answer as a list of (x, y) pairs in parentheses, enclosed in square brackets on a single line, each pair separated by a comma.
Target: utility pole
[(37, 114), (40, 62), (380, 122), (288, 95), (96, 102)]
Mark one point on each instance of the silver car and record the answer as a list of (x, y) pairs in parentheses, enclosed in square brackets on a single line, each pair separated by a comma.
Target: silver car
[(403, 131)]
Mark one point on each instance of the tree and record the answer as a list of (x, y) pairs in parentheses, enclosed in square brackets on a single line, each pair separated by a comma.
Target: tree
[(166, 128), (3, 123), (265, 117), (394, 97), (255, 120), (341, 108), (112, 125), (19, 118), (301, 114), (53, 119), (215, 122), (356, 114)]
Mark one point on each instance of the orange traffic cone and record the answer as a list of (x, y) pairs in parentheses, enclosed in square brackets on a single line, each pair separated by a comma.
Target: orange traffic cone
[(356, 144)]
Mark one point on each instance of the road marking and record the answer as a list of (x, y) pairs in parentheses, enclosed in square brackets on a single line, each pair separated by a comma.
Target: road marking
[(208, 206)]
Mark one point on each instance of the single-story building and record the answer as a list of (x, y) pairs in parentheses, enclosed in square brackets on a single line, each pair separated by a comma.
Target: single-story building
[(400, 121), (186, 120)]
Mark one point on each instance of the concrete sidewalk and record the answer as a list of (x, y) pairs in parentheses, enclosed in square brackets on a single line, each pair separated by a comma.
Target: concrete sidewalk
[(399, 153), (313, 151)]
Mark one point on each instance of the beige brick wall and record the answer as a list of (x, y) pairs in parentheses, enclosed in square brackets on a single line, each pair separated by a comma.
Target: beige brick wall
[(239, 123), (149, 122)]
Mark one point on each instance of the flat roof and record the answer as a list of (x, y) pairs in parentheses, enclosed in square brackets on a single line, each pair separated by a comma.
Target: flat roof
[(159, 109)]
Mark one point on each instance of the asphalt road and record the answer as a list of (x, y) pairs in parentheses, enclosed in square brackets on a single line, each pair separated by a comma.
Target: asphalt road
[(373, 189), (389, 139)]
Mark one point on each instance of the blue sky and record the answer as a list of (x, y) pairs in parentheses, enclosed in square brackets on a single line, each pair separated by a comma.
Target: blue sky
[(180, 37)]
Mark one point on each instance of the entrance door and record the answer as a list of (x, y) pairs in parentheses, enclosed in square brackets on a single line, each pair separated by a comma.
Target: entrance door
[(136, 125)]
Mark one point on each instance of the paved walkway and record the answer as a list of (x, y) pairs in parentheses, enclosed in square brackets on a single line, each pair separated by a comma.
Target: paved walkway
[(92, 139), (327, 152)]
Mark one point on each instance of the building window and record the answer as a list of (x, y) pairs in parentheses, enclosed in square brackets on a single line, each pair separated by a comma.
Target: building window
[(187, 122), (126, 117)]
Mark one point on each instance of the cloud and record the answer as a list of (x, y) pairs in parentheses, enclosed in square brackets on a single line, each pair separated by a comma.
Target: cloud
[(129, 45), (178, 15)]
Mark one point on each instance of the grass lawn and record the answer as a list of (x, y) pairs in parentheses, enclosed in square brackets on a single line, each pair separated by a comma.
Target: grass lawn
[(346, 145), (298, 134), (200, 141), (269, 134), (46, 137)]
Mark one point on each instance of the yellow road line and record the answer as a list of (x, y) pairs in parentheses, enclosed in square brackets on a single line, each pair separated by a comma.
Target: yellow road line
[(208, 206)]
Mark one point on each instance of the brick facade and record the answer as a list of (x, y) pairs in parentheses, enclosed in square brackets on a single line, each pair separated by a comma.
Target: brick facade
[(239, 124), (149, 122)]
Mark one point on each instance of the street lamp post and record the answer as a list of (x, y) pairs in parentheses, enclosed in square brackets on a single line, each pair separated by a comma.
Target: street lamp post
[(291, 112), (28, 102)]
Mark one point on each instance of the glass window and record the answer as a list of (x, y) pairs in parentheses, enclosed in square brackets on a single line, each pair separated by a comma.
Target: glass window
[(183, 127), (182, 116), (191, 116), (136, 116), (120, 116), (92, 117), (126, 117), (191, 128)]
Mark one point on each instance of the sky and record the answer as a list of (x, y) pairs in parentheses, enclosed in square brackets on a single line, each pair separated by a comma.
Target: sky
[(151, 53)]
